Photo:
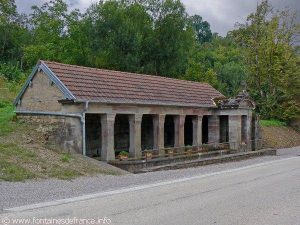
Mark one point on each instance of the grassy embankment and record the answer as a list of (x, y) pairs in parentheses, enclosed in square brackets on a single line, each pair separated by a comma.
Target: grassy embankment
[(24, 154)]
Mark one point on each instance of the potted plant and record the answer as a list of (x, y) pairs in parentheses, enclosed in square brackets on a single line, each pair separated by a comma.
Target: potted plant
[(123, 155)]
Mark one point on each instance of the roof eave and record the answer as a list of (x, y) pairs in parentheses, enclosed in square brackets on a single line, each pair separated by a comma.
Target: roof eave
[(144, 103)]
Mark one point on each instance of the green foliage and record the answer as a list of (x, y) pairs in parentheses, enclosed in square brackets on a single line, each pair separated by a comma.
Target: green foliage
[(158, 37), (272, 123), (63, 174), (9, 170), (218, 63), (119, 35), (66, 158), (173, 39), (48, 29), (12, 172), (124, 153), (274, 72), (10, 72), (13, 30), (6, 116), (201, 28)]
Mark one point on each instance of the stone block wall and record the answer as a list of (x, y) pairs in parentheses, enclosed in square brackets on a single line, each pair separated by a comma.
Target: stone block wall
[(61, 133), (41, 95)]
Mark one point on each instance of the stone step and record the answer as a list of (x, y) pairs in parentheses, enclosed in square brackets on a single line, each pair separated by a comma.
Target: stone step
[(209, 160), (135, 166)]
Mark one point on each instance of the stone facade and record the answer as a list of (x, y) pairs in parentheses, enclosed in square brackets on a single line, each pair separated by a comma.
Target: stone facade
[(94, 128), (108, 112), (67, 131)]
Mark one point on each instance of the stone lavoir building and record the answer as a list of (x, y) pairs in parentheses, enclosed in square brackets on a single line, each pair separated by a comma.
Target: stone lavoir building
[(99, 112)]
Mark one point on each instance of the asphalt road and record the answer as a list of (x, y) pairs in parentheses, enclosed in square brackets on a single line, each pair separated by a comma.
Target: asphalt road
[(265, 193)]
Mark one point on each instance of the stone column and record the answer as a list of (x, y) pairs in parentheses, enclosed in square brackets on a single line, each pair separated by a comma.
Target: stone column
[(179, 130), (249, 121), (107, 133), (257, 134), (158, 132), (235, 123), (213, 129), (197, 130), (135, 123)]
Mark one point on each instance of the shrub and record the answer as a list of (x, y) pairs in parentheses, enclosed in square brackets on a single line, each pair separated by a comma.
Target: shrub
[(10, 72)]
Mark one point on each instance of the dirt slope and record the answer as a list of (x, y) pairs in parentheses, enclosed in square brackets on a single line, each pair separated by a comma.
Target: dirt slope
[(280, 136)]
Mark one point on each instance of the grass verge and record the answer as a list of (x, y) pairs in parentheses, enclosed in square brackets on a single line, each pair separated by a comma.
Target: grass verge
[(6, 116), (272, 123), (12, 172)]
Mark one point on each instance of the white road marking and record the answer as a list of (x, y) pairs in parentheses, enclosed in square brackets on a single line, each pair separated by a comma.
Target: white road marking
[(135, 188)]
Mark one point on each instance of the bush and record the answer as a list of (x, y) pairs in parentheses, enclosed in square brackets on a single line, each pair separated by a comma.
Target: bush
[(11, 72)]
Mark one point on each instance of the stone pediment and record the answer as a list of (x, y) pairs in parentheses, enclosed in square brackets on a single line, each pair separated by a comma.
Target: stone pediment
[(242, 100)]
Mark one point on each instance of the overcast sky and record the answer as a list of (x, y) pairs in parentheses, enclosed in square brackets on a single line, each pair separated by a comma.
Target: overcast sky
[(221, 14)]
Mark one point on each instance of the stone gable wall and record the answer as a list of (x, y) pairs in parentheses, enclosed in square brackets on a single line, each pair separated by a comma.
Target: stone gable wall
[(41, 95)]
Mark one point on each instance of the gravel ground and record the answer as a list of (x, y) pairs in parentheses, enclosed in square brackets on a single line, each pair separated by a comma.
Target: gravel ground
[(29, 192)]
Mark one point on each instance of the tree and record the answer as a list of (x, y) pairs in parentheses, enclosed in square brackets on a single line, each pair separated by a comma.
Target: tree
[(119, 34), (147, 36), (14, 33), (173, 39), (219, 63), (267, 39), (48, 30), (201, 28)]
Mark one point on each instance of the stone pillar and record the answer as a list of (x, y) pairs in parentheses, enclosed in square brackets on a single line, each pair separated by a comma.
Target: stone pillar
[(107, 133), (179, 130), (135, 123), (257, 134), (249, 122), (158, 132), (235, 123), (213, 129), (197, 130)]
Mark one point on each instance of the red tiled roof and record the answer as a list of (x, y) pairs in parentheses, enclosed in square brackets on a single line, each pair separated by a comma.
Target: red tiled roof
[(107, 86)]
